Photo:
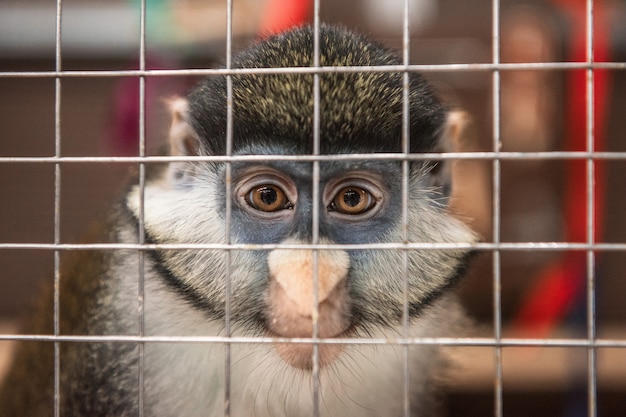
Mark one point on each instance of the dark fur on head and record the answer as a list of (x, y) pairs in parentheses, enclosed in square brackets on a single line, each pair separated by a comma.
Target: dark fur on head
[(361, 110)]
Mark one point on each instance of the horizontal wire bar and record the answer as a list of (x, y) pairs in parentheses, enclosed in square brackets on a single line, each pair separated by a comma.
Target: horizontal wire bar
[(443, 341), (519, 246), (320, 70), (547, 155)]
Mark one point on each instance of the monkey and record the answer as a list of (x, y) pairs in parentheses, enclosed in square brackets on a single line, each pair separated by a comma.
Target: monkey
[(275, 284)]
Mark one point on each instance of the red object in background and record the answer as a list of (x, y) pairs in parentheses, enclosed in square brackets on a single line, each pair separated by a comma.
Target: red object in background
[(561, 285), (281, 15)]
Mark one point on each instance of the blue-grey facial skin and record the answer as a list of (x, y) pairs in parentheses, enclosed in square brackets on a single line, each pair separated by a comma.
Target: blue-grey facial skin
[(248, 226)]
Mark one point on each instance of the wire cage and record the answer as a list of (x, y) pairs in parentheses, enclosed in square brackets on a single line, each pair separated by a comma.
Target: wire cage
[(539, 172)]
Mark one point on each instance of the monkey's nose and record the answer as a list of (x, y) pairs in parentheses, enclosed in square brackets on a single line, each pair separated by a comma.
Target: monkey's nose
[(291, 311), (293, 270)]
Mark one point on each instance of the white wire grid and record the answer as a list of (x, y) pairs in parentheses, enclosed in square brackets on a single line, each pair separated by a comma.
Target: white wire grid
[(496, 246)]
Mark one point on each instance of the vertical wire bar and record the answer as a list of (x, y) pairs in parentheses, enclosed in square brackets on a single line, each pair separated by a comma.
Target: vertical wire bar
[(591, 312), (315, 209), (142, 185), (497, 279), (57, 210), (405, 205), (228, 208)]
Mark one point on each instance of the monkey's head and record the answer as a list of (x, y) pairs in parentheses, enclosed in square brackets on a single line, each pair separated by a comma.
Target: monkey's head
[(272, 202)]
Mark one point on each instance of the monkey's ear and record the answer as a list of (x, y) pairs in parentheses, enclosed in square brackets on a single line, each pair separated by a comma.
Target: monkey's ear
[(183, 139), (451, 140)]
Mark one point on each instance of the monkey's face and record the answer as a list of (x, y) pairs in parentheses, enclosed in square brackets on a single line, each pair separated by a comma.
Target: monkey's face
[(277, 293), (285, 291)]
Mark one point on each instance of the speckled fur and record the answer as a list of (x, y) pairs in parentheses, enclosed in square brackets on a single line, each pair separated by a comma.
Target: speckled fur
[(362, 110)]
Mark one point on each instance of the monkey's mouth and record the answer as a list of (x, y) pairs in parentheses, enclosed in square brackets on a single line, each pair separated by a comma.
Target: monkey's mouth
[(286, 319), (300, 354)]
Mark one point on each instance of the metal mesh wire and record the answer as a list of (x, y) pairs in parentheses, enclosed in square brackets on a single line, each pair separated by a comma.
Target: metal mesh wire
[(495, 246)]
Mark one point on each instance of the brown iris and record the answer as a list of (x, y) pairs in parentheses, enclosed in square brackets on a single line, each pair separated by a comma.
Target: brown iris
[(268, 198), (352, 201)]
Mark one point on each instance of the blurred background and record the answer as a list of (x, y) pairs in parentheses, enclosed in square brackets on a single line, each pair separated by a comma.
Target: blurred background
[(543, 293)]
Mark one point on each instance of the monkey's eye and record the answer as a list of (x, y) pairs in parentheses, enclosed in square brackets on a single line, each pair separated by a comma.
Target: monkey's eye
[(268, 198), (352, 201)]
